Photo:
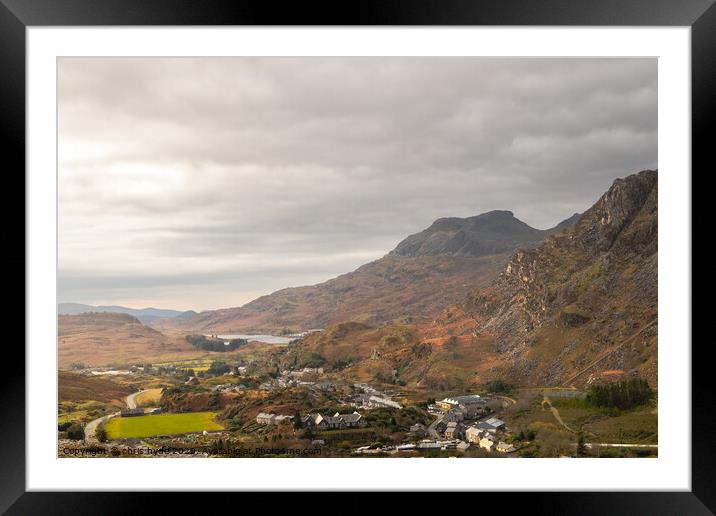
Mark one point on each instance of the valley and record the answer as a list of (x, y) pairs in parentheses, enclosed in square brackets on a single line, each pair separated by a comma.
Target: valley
[(477, 337)]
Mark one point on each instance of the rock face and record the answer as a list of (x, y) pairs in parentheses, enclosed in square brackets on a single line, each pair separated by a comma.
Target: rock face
[(425, 273), (579, 296)]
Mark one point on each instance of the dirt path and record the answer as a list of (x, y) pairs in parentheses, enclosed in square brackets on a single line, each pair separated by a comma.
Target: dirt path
[(555, 413)]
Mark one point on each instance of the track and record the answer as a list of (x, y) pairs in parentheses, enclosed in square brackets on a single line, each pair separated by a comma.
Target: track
[(609, 352)]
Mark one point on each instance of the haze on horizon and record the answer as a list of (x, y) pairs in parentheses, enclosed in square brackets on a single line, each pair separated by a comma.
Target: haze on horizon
[(202, 183)]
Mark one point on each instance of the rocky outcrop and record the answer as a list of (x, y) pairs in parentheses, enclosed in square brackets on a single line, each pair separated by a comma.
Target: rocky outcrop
[(595, 283)]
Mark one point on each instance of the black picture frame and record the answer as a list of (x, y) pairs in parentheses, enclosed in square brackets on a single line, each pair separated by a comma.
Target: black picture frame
[(17, 15)]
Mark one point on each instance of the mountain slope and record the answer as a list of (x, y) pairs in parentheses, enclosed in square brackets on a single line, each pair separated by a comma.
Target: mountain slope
[(582, 306), (423, 274), (579, 308)]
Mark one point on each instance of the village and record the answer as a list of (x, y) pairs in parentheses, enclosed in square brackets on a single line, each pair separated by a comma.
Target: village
[(462, 423)]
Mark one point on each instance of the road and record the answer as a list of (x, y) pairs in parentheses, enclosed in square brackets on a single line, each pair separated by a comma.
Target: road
[(91, 427), (131, 400), (621, 445), (432, 432)]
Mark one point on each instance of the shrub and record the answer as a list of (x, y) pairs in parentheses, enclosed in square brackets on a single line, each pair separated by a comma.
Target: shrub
[(75, 432)]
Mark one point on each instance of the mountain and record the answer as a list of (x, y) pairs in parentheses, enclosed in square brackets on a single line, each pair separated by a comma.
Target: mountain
[(494, 232), (582, 306), (423, 274), (145, 315), (579, 308)]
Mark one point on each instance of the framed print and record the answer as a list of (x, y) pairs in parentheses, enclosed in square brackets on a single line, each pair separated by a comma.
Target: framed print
[(291, 251)]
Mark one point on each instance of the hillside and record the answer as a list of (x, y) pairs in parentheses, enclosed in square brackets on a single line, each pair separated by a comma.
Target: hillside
[(581, 307), (423, 274), (98, 339), (80, 387)]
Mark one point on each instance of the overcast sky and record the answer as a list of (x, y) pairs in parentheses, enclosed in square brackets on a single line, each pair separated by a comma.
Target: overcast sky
[(204, 183)]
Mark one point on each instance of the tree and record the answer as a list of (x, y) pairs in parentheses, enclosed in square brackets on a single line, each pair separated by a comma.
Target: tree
[(297, 421), (498, 386), (623, 395), (581, 445), (76, 432), (101, 434)]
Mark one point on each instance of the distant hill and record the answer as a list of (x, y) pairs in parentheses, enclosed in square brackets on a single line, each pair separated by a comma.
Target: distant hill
[(145, 315), (422, 275)]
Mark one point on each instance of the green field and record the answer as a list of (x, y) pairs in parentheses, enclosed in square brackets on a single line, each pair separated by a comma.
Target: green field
[(161, 424)]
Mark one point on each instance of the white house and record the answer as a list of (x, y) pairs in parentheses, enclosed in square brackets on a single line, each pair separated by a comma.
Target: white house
[(486, 444), (473, 434), (264, 418), (503, 447), (453, 430)]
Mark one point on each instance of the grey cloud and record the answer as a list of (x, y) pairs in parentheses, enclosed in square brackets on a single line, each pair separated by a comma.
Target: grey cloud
[(324, 160)]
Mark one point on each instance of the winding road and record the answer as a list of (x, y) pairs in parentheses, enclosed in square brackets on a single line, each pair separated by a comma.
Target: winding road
[(91, 427)]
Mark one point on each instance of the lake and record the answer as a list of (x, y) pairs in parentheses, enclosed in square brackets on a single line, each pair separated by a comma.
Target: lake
[(267, 339)]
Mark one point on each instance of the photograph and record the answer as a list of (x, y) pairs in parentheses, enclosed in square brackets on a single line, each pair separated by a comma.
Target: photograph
[(353, 257)]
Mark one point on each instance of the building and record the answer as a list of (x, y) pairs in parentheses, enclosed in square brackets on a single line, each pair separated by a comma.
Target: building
[(453, 430), (473, 434), (503, 447), (486, 444), (265, 419), (434, 409), (335, 422), (463, 446), (454, 415), (271, 419), (471, 405), (326, 385), (377, 401), (495, 423), (429, 445), (418, 429), (131, 412)]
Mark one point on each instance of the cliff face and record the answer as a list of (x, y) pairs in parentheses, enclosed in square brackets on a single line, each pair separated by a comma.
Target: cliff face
[(581, 294)]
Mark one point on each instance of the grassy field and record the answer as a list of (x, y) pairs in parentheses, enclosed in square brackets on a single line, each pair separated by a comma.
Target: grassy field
[(149, 397), (161, 424)]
